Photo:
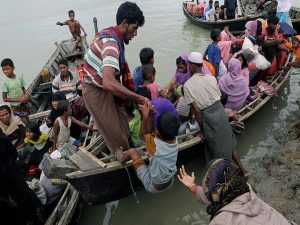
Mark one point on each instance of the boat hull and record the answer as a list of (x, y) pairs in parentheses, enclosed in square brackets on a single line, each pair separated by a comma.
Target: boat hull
[(236, 26), (105, 187)]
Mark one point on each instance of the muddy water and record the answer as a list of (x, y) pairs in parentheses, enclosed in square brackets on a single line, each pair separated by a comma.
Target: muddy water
[(27, 36)]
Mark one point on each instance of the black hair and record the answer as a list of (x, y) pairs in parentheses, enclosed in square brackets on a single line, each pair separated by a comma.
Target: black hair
[(5, 107), (62, 107), (223, 98), (71, 11), (63, 62), (210, 2), (34, 127), (144, 91), (146, 54), (217, 6), (272, 19), (129, 107), (58, 96), (294, 39), (222, 7), (180, 60), (259, 28), (7, 62), (130, 12), (245, 63), (168, 126), (214, 34), (148, 70), (270, 30)]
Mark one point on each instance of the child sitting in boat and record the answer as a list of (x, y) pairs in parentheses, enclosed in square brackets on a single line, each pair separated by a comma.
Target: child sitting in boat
[(162, 146), (148, 73), (134, 120), (41, 143), (75, 28), (13, 90), (61, 127), (56, 97)]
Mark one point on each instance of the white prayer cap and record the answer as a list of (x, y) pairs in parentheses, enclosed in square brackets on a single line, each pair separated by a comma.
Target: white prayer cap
[(196, 57)]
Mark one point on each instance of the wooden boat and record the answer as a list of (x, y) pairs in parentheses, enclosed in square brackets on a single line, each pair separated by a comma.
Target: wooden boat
[(40, 91), (295, 18), (278, 80), (236, 26), (100, 178)]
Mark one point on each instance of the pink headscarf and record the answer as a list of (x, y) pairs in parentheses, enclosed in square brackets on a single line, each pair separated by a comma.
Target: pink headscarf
[(225, 46), (251, 27), (234, 85)]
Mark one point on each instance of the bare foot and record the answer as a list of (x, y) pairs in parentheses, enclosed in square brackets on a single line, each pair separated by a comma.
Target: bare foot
[(121, 155)]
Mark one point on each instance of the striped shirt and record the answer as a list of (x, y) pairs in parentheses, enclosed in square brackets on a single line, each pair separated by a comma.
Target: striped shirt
[(68, 88), (103, 52)]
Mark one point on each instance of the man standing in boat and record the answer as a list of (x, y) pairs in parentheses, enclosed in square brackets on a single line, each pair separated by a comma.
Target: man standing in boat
[(108, 81)]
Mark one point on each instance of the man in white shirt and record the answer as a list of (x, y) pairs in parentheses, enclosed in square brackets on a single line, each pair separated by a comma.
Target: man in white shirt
[(283, 9)]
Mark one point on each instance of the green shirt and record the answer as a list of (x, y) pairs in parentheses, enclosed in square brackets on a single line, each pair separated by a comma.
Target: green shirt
[(13, 88), (135, 126)]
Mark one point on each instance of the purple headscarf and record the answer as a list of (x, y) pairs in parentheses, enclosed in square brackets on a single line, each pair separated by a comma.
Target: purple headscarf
[(251, 27), (234, 85), (162, 105), (181, 78)]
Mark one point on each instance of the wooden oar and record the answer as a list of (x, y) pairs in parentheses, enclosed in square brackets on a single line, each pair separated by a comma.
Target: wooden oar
[(95, 25)]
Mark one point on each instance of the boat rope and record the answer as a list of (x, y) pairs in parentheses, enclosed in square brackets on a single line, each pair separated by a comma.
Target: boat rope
[(133, 191)]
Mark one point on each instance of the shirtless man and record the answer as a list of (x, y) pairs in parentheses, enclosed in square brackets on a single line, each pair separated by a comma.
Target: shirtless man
[(74, 27)]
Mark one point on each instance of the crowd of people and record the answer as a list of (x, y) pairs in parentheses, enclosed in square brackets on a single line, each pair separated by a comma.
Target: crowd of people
[(206, 92)]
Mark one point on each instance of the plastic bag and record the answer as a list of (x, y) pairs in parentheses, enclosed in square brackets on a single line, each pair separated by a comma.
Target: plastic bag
[(261, 63)]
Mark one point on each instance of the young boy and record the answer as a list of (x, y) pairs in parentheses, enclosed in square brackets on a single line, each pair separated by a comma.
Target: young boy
[(162, 148), (148, 74), (13, 90), (61, 127), (146, 57), (213, 53), (74, 27)]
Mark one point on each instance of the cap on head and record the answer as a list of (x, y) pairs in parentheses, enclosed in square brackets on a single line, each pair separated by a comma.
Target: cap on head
[(196, 57)]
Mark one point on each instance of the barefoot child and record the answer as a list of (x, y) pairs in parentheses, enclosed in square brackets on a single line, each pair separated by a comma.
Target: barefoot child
[(74, 27), (13, 90), (61, 127), (162, 148)]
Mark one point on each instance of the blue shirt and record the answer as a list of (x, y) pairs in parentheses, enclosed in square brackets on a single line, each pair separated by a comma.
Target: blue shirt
[(207, 9), (137, 77), (213, 53)]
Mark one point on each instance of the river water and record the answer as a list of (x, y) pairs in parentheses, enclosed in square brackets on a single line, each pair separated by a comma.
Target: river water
[(28, 36)]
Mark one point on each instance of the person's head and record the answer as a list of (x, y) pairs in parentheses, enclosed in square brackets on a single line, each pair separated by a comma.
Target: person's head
[(181, 64), (223, 182), (7, 67), (147, 56), (222, 8), (273, 21), (56, 97), (242, 60), (64, 108), (217, 9), (234, 67), (33, 130), (5, 114), (210, 3), (195, 62), (148, 73), (144, 91), (168, 126), (63, 67), (71, 14), (295, 43), (215, 35), (216, 4), (129, 18), (270, 30)]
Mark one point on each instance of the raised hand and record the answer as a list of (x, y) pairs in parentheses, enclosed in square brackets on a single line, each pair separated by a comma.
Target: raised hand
[(187, 180)]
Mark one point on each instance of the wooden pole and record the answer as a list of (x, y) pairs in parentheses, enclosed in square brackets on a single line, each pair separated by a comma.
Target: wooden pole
[(95, 25)]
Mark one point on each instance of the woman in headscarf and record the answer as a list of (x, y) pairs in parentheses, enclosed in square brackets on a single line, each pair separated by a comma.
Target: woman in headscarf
[(12, 126), (253, 30), (234, 85), (229, 199), (182, 74)]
